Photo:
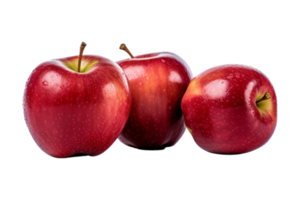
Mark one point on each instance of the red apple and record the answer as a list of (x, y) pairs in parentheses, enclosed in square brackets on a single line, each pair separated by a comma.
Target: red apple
[(73, 113), (230, 109), (157, 83)]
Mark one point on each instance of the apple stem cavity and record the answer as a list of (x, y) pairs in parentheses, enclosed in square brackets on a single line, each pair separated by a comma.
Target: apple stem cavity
[(83, 44), (265, 97), (125, 48)]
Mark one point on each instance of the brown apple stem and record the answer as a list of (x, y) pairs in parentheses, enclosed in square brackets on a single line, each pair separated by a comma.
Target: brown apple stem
[(125, 48), (83, 44), (265, 97)]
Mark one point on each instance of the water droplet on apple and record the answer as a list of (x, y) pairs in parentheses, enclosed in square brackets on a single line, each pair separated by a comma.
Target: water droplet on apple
[(163, 60), (221, 99), (61, 86), (45, 83)]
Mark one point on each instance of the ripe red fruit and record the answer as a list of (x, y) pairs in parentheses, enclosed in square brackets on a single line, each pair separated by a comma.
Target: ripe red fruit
[(230, 109), (157, 83), (71, 113)]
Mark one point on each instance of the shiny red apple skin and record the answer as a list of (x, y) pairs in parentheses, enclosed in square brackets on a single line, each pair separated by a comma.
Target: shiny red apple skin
[(220, 109), (70, 113), (157, 83)]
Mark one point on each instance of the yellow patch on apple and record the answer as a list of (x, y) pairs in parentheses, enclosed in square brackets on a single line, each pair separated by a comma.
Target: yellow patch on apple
[(85, 66), (194, 88), (264, 106), (190, 130)]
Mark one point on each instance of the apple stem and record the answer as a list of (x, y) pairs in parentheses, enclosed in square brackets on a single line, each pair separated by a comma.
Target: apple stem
[(125, 48), (265, 97), (83, 44)]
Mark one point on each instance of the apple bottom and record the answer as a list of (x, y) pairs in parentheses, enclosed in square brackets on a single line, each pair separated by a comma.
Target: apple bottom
[(76, 136), (94, 147), (152, 137), (227, 142), (229, 131), (64, 155)]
